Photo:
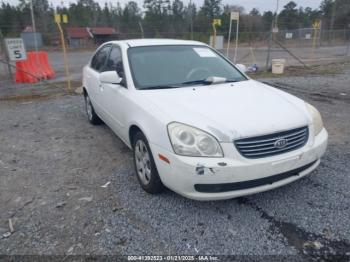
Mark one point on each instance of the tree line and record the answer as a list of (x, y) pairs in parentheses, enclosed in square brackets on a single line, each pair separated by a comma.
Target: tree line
[(169, 18)]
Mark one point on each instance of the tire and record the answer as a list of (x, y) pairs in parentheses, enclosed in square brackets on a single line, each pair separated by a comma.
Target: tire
[(145, 168), (90, 111)]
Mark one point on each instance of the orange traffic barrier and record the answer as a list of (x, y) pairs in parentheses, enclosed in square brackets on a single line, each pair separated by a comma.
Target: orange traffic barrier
[(35, 68), (34, 64), (22, 75), (47, 67), (45, 72)]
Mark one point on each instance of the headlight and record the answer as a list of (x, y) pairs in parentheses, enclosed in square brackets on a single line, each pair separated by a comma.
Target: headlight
[(190, 141), (316, 119)]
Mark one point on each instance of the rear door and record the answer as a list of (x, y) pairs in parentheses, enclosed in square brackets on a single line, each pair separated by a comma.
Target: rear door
[(92, 79)]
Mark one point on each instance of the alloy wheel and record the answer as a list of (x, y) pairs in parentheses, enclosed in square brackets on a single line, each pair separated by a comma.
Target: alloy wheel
[(143, 162), (88, 107)]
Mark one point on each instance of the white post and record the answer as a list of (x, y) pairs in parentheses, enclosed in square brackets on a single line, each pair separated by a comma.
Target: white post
[(234, 59), (229, 38)]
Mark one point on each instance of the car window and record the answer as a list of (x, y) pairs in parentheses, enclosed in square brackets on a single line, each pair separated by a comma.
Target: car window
[(99, 59), (114, 58)]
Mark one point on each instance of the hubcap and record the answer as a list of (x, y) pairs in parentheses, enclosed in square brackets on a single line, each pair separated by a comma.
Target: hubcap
[(143, 162), (88, 107)]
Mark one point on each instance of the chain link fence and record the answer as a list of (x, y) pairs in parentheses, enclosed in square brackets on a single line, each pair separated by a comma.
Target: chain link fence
[(298, 47)]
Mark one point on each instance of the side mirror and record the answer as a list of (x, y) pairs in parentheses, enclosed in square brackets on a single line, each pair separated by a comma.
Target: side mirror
[(241, 68), (110, 77)]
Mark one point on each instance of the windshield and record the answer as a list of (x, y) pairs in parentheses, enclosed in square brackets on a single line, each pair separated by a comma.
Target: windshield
[(179, 66)]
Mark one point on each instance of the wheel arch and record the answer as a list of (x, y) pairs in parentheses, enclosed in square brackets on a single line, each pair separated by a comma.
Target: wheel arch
[(133, 130), (84, 91)]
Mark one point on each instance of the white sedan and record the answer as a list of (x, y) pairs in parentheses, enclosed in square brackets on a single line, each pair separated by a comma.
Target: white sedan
[(196, 123)]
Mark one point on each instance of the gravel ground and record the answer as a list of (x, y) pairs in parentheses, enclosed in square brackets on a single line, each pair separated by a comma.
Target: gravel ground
[(53, 164)]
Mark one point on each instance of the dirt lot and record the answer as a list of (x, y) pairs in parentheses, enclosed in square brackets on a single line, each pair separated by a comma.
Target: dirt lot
[(53, 165)]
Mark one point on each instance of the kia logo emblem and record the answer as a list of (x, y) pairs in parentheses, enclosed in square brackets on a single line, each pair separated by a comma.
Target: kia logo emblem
[(281, 143)]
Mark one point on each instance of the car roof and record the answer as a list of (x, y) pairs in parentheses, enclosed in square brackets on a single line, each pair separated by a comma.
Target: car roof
[(155, 41)]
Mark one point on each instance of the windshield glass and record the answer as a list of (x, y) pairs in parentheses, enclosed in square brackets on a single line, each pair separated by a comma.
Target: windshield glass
[(178, 66)]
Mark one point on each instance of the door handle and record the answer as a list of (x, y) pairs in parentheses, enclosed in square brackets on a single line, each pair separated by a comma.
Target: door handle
[(101, 87)]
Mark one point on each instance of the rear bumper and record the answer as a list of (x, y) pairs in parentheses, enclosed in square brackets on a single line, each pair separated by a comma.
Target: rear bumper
[(233, 176)]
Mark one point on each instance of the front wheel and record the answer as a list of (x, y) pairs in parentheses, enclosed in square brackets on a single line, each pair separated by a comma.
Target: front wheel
[(145, 167)]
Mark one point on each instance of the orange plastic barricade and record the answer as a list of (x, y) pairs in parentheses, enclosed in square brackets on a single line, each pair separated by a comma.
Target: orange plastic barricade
[(43, 67), (35, 68), (22, 67), (46, 65)]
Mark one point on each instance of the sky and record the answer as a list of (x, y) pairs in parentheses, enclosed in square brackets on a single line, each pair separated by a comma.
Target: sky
[(262, 5)]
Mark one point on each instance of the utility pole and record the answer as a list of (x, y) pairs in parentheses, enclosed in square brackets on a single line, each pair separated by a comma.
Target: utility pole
[(229, 37), (191, 19), (273, 26), (333, 18), (35, 36), (268, 57), (348, 48), (33, 25), (276, 17), (236, 48)]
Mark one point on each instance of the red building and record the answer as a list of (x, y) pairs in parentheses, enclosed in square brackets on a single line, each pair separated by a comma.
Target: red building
[(89, 36)]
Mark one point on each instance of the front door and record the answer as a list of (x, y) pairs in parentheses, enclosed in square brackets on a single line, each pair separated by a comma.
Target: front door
[(115, 95), (92, 74)]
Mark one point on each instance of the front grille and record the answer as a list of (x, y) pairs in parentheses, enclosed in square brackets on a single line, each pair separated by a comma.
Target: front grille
[(264, 146)]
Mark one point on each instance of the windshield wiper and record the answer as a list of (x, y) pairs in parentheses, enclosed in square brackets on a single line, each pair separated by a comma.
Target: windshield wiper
[(231, 81), (210, 81), (197, 82), (160, 87)]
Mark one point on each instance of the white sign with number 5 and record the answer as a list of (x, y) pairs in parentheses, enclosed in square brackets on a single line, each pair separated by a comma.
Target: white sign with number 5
[(16, 49)]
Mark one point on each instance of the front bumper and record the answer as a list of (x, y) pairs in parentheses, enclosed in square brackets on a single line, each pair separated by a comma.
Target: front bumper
[(184, 174)]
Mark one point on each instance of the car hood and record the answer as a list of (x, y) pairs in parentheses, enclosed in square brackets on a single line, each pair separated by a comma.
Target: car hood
[(231, 110)]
